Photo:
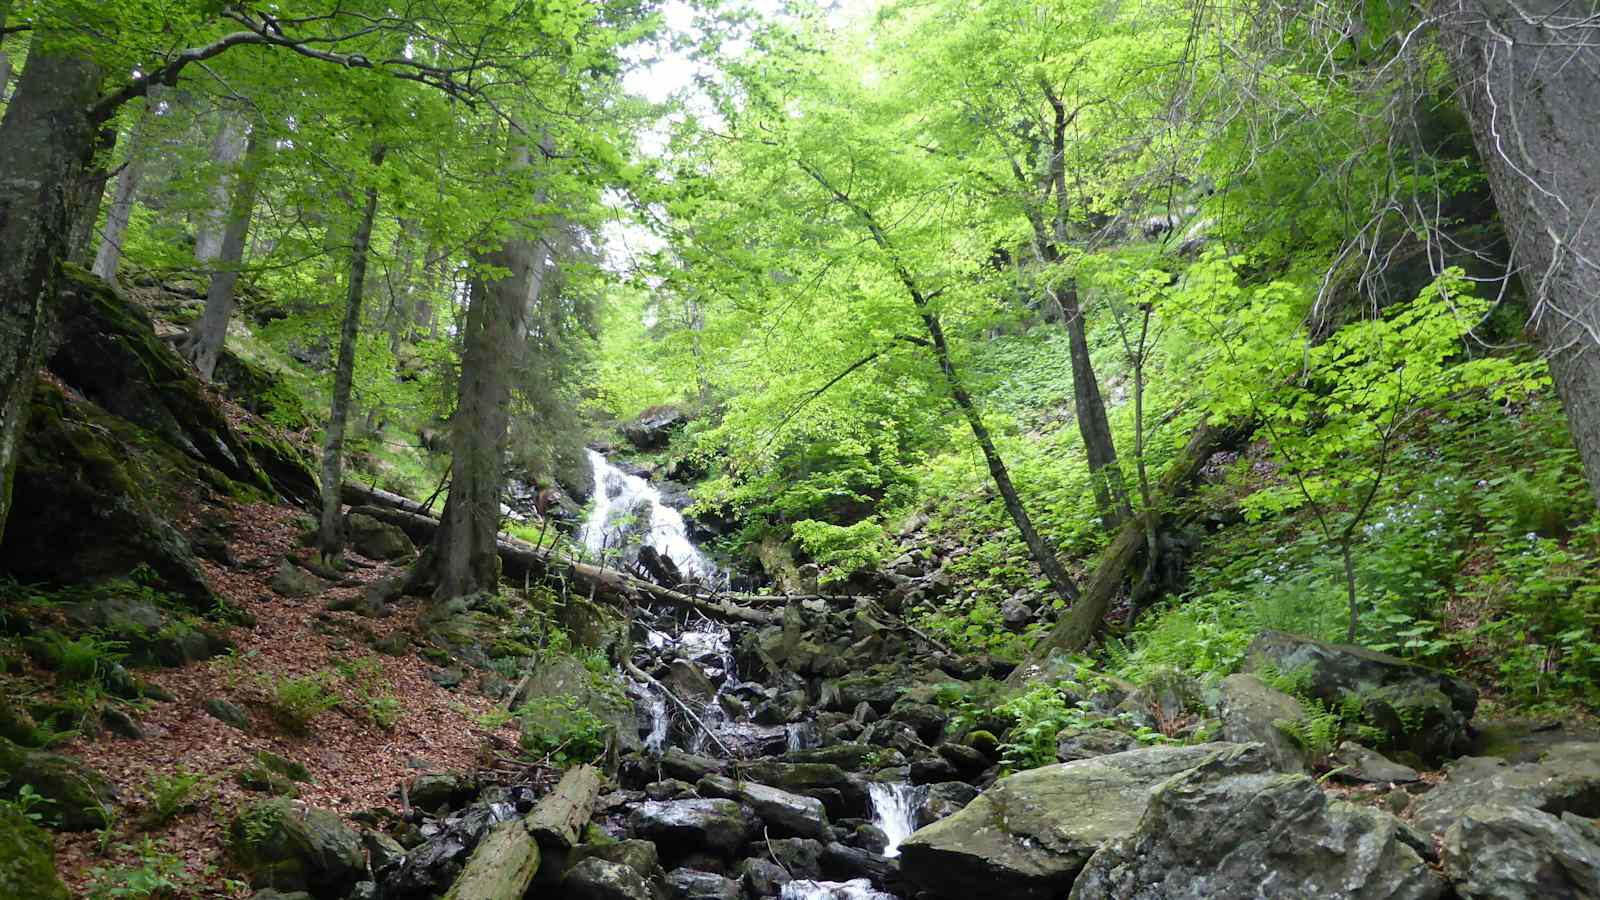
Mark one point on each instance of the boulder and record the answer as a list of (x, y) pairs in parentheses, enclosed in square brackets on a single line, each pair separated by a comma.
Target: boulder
[(1028, 836), (1087, 743), (1249, 710), (653, 428), (292, 581), (688, 682), (153, 637), (1519, 853), (688, 766), (1354, 762), (721, 826), (1227, 830), (81, 799), (800, 857), (945, 800), (785, 813), (561, 676), (762, 878), (594, 878), (1565, 779), (378, 540), (295, 848), (1416, 709), (809, 779), (692, 884), (228, 713), (435, 790), (846, 863), (27, 859), (639, 856)]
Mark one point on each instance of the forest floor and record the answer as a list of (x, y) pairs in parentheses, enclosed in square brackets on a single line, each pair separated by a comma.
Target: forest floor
[(355, 765)]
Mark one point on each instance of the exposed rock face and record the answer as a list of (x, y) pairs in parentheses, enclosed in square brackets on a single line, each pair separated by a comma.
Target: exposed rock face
[(1518, 853), (290, 848), (27, 859), (786, 813), (1218, 833), (1028, 836), (654, 427), (1566, 779), (1418, 710), (721, 826), (1357, 763), (81, 798), (1248, 708)]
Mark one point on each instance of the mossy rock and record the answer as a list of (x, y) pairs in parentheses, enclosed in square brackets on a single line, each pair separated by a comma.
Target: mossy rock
[(27, 859), (153, 636), (293, 849), (81, 798), (16, 725), (284, 766), (259, 778)]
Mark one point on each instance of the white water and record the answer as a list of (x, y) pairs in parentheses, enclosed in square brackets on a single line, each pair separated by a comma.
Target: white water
[(894, 811), (616, 495), (657, 709), (855, 889)]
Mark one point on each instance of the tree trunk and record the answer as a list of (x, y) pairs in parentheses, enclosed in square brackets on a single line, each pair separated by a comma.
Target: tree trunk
[(109, 257), (1110, 489), (331, 536), (5, 58), (91, 189), (1527, 72), (211, 236), (205, 340), (46, 141)]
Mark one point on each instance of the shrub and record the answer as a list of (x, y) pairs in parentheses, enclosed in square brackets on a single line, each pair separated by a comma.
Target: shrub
[(169, 796), (295, 702), (158, 874), (842, 550), (562, 729)]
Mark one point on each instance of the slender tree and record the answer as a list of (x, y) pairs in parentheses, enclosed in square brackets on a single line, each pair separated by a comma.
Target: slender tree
[(207, 337), (109, 256)]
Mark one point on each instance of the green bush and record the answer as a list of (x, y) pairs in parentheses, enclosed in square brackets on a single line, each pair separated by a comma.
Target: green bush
[(158, 874), (842, 550), (295, 702), (171, 795), (562, 730)]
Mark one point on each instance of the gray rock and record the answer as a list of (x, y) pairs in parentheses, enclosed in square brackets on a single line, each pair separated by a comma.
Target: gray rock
[(378, 540), (381, 849), (669, 789), (1517, 853), (81, 798), (1417, 710), (785, 813), (292, 581), (691, 884), (1027, 836), (718, 825), (945, 800), (1357, 763), (967, 761), (800, 857), (926, 719), (687, 766), (855, 889), (442, 790), (600, 879), (637, 855), (1218, 833), (1073, 744), (297, 849), (654, 427), (1566, 778), (1248, 708), (762, 878), (688, 682), (807, 778), (228, 713)]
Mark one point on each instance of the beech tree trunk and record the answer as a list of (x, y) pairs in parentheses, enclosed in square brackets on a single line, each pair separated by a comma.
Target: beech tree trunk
[(331, 535), (226, 149), (209, 335), (1111, 490), (91, 193), (1528, 73), (46, 142), (5, 58), (109, 256)]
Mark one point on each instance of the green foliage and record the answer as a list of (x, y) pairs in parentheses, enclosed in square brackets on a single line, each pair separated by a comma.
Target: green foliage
[(297, 700), (170, 795), (30, 804), (1043, 712), (562, 730), (157, 874), (842, 551)]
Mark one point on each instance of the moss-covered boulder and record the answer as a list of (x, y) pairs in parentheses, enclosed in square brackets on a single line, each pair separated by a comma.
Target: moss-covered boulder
[(80, 798), (294, 849), (153, 636), (27, 859)]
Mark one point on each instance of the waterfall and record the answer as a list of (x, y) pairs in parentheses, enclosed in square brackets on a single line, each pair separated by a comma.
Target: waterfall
[(617, 496), (657, 709), (855, 889), (894, 810)]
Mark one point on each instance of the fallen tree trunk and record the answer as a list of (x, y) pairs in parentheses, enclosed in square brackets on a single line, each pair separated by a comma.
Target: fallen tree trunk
[(503, 866), (521, 559), (1084, 619)]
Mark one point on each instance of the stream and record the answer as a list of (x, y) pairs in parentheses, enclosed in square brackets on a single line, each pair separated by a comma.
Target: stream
[(694, 657)]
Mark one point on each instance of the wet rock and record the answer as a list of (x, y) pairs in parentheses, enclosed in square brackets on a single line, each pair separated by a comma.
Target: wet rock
[(688, 766), (1027, 836), (81, 798), (801, 857), (431, 866), (966, 761), (870, 837), (670, 789), (1566, 779), (599, 879), (945, 800), (381, 849), (27, 859), (1087, 743), (849, 755), (637, 855), (844, 863), (722, 826), (692, 884), (437, 791), (378, 540), (292, 581), (1357, 763), (1518, 853), (925, 719), (1249, 709), (806, 778), (686, 680), (1264, 833), (653, 428), (932, 770), (785, 813), (290, 848), (762, 878), (1418, 710)]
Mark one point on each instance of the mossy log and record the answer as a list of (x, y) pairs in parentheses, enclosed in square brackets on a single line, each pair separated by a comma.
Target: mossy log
[(506, 862)]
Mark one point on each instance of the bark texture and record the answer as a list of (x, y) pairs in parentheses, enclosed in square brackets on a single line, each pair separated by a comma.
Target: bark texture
[(331, 535), (1528, 72), (205, 340), (109, 256), (46, 142)]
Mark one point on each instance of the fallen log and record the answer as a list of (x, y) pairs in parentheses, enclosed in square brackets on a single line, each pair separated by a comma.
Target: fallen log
[(1083, 620), (361, 495), (506, 861), (521, 559)]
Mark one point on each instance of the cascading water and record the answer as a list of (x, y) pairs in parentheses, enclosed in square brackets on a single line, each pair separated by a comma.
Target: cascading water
[(619, 496), (857, 889), (894, 811)]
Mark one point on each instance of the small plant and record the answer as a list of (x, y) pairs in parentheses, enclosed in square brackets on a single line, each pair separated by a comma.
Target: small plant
[(385, 710), (295, 702), (171, 795), (159, 874), (562, 730), (30, 804), (90, 659)]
